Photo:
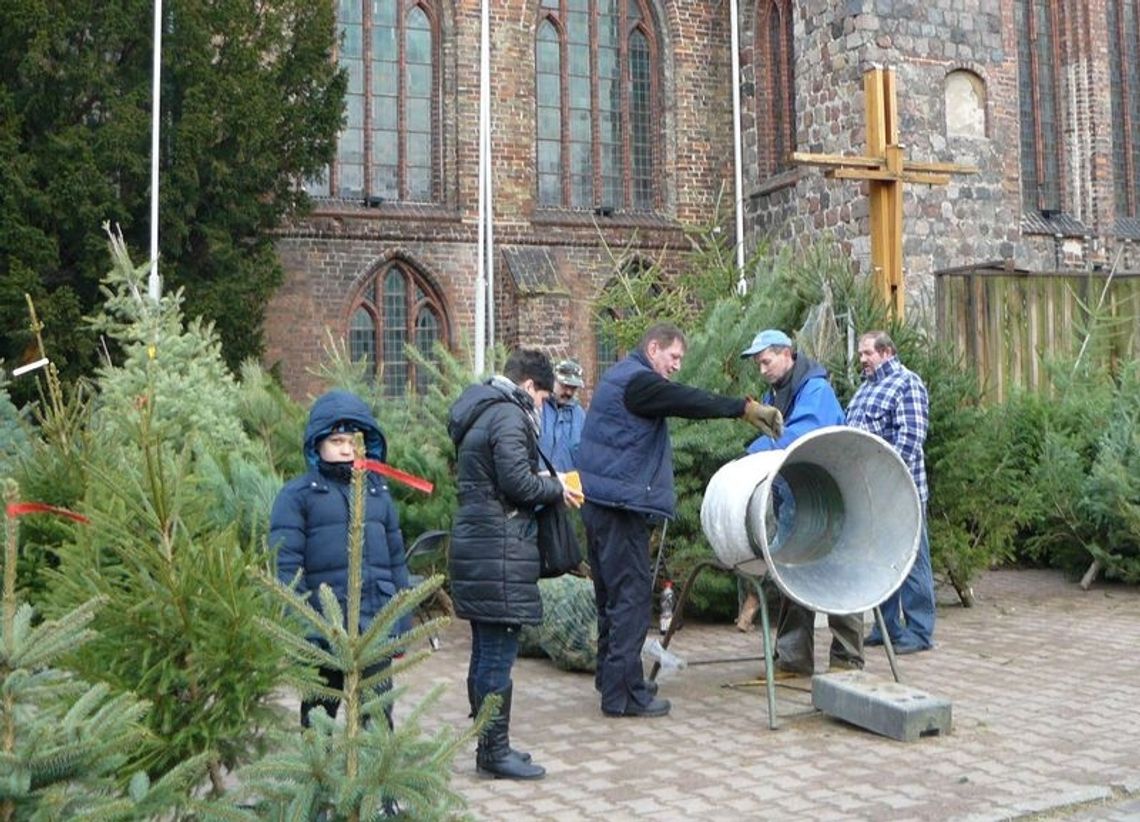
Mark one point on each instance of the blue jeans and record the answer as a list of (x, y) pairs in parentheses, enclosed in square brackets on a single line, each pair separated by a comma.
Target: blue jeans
[(909, 612), (494, 647)]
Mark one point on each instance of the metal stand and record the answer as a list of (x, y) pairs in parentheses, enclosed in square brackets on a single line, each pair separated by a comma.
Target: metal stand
[(430, 543), (766, 634)]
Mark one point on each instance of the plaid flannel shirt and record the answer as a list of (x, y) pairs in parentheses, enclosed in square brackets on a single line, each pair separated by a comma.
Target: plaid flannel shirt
[(892, 402)]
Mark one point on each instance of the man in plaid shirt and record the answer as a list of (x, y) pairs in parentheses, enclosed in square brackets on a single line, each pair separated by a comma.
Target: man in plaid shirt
[(892, 402)]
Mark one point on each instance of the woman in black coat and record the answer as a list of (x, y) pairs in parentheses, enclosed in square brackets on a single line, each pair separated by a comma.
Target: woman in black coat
[(494, 565)]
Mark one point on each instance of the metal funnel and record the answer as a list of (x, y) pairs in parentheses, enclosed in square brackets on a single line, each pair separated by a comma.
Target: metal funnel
[(834, 519)]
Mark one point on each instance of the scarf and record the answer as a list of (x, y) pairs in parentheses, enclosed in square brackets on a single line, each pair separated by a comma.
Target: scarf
[(784, 391)]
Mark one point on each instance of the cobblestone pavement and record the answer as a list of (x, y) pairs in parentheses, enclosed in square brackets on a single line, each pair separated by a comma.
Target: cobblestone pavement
[(1044, 679)]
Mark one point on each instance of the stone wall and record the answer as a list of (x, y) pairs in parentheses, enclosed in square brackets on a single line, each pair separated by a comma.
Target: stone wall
[(932, 46)]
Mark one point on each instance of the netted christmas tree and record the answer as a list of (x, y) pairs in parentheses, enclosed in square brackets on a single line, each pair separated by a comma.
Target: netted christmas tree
[(568, 633)]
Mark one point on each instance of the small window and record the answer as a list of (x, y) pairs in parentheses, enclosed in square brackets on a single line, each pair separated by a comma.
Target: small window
[(606, 350), (775, 86), (631, 293)]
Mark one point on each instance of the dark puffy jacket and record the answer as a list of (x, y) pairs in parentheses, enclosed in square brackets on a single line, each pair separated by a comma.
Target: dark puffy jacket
[(493, 562), (310, 520)]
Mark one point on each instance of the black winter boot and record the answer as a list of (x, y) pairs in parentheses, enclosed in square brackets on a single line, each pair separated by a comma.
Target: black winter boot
[(474, 701), (494, 756)]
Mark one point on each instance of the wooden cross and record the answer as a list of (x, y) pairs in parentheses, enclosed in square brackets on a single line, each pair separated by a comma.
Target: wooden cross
[(886, 170)]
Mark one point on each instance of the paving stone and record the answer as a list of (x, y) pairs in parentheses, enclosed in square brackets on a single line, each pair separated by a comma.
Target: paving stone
[(1044, 680)]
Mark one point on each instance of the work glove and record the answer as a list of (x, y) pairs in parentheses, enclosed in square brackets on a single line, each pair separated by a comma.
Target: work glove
[(766, 418)]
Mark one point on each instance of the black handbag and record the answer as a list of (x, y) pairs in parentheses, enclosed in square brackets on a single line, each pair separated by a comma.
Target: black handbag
[(558, 549)]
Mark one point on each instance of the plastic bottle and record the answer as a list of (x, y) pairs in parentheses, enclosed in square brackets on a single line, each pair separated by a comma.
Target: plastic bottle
[(666, 606), (668, 660)]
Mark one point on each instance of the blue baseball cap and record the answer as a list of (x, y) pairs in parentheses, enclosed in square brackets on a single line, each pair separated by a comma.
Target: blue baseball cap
[(766, 339)]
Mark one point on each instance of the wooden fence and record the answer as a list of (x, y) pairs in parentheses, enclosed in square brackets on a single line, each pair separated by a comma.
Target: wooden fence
[(1009, 323)]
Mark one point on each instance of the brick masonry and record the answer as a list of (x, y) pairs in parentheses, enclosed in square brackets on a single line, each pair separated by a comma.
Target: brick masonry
[(329, 256)]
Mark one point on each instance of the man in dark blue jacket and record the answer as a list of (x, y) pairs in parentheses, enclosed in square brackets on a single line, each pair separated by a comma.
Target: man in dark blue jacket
[(310, 522), (798, 386), (626, 464)]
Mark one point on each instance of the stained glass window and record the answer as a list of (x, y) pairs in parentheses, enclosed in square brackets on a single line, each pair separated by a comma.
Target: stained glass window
[(396, 308)]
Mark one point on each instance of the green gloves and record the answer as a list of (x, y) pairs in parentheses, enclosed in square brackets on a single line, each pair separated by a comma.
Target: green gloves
[(766, 418)]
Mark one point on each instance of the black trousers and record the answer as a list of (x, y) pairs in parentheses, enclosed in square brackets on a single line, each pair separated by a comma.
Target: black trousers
[(619, 559), (335, 679)]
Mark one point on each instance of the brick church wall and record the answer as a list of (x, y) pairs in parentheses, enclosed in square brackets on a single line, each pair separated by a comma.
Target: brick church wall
[(976, 219), (329, 255)]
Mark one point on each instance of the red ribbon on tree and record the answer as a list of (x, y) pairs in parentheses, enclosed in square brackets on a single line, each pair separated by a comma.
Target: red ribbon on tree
[(19, 509), (382, 468)]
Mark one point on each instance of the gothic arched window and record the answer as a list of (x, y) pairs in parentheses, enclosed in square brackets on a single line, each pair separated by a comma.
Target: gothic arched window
[(634, 288), (606, 349), (388, 148), (775, 86), (1036, 22), (396, 308), (596, 104), (1124, 89)]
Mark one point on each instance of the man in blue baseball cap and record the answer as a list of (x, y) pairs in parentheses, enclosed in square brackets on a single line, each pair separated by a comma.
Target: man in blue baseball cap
[(766, 339), (798, 386)]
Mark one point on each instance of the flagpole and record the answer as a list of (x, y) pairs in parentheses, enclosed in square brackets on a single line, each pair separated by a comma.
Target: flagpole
[(480, 277), (154, 284), (489, 194), (738, 183)]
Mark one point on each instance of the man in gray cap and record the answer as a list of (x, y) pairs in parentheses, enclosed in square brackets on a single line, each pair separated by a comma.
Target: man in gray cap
[(562, 417), (798, 386)]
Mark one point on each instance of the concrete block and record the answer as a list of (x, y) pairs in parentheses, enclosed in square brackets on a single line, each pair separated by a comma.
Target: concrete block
[(881, 705)]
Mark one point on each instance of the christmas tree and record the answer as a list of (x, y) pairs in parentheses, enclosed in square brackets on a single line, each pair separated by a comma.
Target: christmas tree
[(369, 766)]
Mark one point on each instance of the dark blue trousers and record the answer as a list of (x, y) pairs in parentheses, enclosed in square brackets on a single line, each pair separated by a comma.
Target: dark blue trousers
[(335, 679), (619, 559), (494, 647)]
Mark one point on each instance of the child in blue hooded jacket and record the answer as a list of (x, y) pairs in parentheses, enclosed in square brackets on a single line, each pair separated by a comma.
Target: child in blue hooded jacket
[(311, 515)]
